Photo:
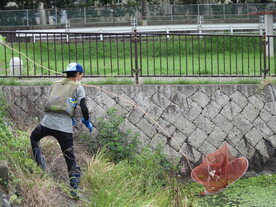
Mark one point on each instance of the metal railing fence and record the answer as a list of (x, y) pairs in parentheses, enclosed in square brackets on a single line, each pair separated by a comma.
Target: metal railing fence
[(122, 14), (137, 54)]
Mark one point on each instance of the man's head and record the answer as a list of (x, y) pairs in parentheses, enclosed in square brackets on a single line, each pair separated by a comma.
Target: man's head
[(74, 70)]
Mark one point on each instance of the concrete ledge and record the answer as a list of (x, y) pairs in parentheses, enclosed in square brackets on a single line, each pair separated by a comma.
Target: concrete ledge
[(4, 173)]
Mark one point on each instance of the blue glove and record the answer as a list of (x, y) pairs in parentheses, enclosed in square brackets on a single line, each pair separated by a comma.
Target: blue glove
[(74, 122), (88, 124)]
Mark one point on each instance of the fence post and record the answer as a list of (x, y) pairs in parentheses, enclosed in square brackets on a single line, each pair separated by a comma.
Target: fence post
[(265, 69), (136, 70)]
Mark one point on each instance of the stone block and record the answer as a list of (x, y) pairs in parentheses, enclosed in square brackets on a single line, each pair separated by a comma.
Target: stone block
[(245, 149), (200, 98), (178, 139), (185, 126), (193, 110), (253, 137), (271, 108), (207, 148), (239, 99), (160, 100), (172, 154), (4, 173), (265, 115), (135, 115), (217, 137), (172, 113), (204, 124), (179, 99), (272, 141), (146, 127), (190, 153), (261, 147), (158, 140), (256, 101), (197, 138), (250, 113), (231, 110), (242, 124), (223, 123), (272, 123), (234, 136), (165, 127), (220, 98), (211, 110), (264, 130)]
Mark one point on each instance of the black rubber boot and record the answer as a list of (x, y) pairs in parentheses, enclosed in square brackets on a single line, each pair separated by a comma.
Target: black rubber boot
[(74, 176), (40, 160)]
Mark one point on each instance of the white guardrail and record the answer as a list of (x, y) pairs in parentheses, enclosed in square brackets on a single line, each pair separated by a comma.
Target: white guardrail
[(194, 28)]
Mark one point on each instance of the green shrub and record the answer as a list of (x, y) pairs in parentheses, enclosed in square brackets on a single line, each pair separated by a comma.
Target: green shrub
[(120, 145)]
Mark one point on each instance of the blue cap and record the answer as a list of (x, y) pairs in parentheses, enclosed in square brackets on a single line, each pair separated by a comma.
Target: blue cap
[(74, 67)]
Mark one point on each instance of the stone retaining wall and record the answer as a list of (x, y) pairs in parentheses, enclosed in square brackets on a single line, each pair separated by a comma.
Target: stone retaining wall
[(199, 118)]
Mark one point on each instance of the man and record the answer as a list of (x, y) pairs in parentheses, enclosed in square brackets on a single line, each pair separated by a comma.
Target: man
[(58, 121)]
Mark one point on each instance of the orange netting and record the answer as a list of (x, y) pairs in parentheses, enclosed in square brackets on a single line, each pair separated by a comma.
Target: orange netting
[(218, 170)]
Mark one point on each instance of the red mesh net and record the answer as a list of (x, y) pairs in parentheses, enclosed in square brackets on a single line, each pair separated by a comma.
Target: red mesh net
[(218, 170)]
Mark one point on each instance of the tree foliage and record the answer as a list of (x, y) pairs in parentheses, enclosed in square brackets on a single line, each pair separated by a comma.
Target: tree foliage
[(3, 3)]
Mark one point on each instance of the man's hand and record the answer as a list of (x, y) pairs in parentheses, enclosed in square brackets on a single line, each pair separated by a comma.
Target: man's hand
[(88, 124)]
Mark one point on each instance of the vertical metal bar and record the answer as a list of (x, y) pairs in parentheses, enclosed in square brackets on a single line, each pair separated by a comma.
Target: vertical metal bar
[(212, 72), (62, 56), (110, 48), (97, 55), (83, 54), (5, 57), (34, 55), (124, 49), (48, 53), (27, 54), (167, 55), (268, 55), (248, 56), (90, 55), (131, 54), (141, 59), (136, 57), (218, 56), (261, 51), (224, 64), (236, 55), (104, 61), (198, 45), (193, 58), (160, 52), (153, 52), (55, 53), (19, 49), (117, 55), (69, 50), (179, 52), (76, 48), (242, 39), (173, 55), (147, 49), (230, 55), (186, 55), (41, 56), (205, 55), (254, 56), (265, 49)]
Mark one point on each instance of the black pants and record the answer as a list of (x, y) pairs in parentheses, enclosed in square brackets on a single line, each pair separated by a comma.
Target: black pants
[(64, 139)]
